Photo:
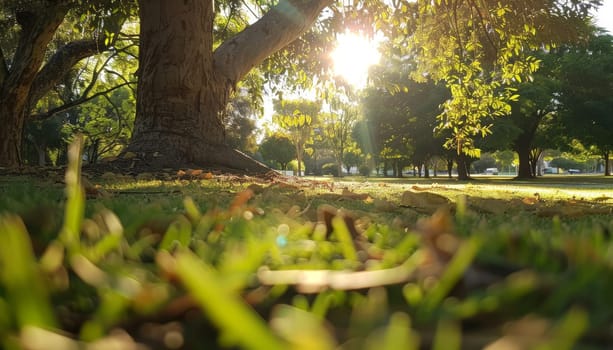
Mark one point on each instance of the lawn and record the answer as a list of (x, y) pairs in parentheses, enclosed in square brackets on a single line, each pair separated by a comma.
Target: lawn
[(191, 259)]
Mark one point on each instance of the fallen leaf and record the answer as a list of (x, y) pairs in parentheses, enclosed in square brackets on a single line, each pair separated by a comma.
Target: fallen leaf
[(352, 195), (530, 200), (194, 172), (206, 176), (383, 205), (424, 201)]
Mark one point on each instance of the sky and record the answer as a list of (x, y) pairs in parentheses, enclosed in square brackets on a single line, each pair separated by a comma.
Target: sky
[(604, 16)]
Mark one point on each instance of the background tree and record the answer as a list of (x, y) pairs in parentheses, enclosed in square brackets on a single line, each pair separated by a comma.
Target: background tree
[(29, 69), (402, 113), (184, 88), (241, 115), (586, 74), (277, 148), (337, 126), (296, 118)]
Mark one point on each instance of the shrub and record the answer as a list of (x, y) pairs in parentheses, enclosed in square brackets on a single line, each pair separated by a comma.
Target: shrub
[(365, 170)]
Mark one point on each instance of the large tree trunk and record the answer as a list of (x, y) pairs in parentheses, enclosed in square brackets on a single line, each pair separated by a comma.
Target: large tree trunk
[(179, 98), (524, 169), (462, 162), (37, 28), (184, 85), (607, 163)]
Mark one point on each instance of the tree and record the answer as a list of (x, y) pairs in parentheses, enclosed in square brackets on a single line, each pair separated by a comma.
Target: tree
[(186, 75), (277, 148), (28, 70), (297, 117), (241, 115), (401, 115), (481, 49), (185, 82), (586, 74), (337, 125)]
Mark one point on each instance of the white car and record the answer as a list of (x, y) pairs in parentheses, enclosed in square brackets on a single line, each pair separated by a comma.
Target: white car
[(491, 171)]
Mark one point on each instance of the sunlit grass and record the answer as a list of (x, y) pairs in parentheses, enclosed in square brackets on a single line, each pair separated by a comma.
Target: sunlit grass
[(266, 269)]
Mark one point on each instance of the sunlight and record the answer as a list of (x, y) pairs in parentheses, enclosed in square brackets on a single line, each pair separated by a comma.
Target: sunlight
[(352, 57)]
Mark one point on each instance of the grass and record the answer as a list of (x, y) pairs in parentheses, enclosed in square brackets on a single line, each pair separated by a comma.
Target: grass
[(229, 262)]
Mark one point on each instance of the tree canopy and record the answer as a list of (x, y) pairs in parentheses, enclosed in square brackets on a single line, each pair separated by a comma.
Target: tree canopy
[(479, 49)]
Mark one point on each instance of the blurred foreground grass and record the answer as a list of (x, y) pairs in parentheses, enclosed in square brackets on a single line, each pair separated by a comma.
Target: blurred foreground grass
[(213, 262)]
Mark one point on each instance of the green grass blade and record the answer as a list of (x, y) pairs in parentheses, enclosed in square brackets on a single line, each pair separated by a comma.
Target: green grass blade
[(21, 278), (448, 336), (398, 334), (75, 198), (342, 233), (178, 234), (453, 273), (226, 310)]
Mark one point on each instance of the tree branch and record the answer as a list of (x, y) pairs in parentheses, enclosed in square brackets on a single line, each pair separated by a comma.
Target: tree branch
[(37, 30), (275, 30), (61, 62), (4, 69), (74, 103)]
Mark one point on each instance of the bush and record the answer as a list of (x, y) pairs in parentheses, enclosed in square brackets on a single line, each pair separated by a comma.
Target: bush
[(293, 166), (566, 163), (330, 169), (365, 170)]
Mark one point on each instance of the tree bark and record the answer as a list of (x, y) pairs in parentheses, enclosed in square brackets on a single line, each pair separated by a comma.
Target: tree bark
[(60, 63), (184, 85), (524, 169), (37, 30), (607, 163), (462, 162)]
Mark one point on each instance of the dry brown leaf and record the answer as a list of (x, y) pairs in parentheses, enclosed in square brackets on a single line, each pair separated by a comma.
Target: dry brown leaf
[(206, 176), (383, 205), (241, 199), (194, 172), (93, 191), (439, 237), (492, 205), (325, 214), (352, 195), (530, 200), (424, 201)]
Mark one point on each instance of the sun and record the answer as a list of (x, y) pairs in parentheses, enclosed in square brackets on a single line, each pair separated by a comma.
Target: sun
[(352, 57)]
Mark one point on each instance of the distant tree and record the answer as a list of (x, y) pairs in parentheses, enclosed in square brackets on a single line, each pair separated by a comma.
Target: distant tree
[(400, 116), (486, 161), (240, 121), (565, 163), (337, 126), (296, 118), (352, 158), (41, 42), (277, 148), (586, 74)]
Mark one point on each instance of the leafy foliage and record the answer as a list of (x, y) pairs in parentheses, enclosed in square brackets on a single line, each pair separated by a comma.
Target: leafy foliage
[(279, 149), (297, 118)]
